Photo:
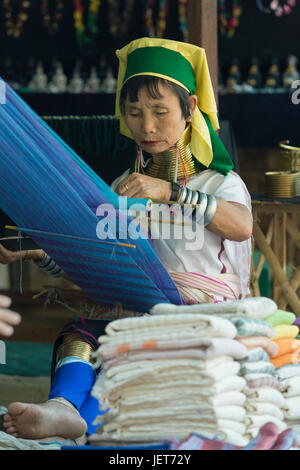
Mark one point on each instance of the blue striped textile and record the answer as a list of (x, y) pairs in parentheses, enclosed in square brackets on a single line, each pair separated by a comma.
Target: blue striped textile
[(52, 195)]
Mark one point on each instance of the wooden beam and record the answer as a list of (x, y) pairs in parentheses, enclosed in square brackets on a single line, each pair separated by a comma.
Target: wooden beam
[(202, 17)]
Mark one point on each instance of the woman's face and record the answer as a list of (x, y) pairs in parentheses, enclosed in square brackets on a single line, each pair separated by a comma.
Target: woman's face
[(155, 124)]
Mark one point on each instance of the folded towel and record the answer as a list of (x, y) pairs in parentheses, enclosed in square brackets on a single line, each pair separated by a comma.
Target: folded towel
[(252, 327), (285, 331), (253, 307), (157, 390), (257, 421), (233, 437), (147, 336), (204, 348), (151, 433), (256, 354), (262, 381), (157, 397), (157, 373), (141, 421), (290, 358), (267, 395), (286, 345), (258, 375), (264, 409), (289, 370), (161, 411), (232, 412), (139, 325), (291, 408), (228, 398), (290, 387), (230, 383), (153, 366), (281, 317), (260, 341), (257, 367), (227, 424)]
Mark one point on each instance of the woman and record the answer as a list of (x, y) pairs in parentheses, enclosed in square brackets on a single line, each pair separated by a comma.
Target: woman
[(165, 103)]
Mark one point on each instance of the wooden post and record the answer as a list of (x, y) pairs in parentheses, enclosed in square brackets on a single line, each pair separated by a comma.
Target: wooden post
[(202, 16)]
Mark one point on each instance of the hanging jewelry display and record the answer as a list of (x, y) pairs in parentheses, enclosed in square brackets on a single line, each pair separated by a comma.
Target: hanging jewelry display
[(183, 19), (262, 7), (277, 7), (119, 21), (229, 22), (83, 33), (93, 16), (159, 29), (15, 28), (52, 25), (78, 21)]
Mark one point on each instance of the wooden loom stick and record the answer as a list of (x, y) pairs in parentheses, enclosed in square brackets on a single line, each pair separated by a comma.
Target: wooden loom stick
[(127, 245)]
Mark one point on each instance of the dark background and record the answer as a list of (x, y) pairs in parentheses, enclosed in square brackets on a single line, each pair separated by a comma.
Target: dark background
[(258, 120), (258, 34), (36, 43), (261, 35)]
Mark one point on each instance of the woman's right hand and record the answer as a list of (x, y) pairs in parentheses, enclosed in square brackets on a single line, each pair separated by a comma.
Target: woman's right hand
[(8, 318), (8, 256)]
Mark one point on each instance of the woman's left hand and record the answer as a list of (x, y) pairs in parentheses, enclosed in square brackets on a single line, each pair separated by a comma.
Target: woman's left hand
[(145, 187)]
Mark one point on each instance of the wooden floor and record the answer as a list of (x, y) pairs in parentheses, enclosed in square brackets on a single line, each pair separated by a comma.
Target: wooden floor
[(25, 389)]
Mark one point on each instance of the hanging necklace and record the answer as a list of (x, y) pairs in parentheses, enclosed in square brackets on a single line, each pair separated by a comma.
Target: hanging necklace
[(93, 16), (78, 21), (15, 28), (82, 32), (160, 28), (277, 7), (118, 23), (228, 23), (177, 162), (52, 25)]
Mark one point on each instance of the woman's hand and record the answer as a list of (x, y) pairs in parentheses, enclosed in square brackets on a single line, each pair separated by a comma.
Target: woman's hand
[(8, 318), (145, 187), (8, 256)]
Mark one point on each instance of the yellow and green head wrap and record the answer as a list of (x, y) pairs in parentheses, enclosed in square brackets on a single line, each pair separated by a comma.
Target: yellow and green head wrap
[(181, 63)]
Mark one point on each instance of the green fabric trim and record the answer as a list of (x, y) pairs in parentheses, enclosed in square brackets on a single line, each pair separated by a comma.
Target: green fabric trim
[(162, 61), (221, 160)]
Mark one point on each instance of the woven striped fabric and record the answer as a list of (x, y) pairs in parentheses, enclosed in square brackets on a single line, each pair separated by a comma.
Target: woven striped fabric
[(268, 438), (53, 195)]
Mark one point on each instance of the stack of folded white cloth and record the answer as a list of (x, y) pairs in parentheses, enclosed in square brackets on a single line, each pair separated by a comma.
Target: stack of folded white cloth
[(289, 376), (264, 399), (168, 375)]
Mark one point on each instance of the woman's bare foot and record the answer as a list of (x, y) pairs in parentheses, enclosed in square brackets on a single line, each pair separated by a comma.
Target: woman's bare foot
[(52, 418)]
